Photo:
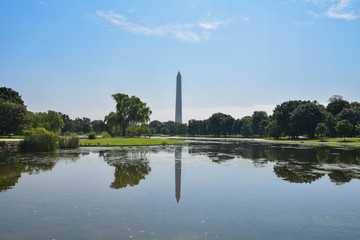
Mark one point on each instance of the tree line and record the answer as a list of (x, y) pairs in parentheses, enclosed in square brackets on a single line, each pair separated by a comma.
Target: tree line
[(15, 118), (129, 118), (291, 118)]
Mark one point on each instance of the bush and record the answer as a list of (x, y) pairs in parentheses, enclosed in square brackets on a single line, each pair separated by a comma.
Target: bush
[(92, 135), (71, 141), (105, 135), (38, 140), (133, 131)]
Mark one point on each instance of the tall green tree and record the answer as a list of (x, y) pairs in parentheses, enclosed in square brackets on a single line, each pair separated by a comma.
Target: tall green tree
[(197, 127), (123, 106), (257, 117), (82, 125), (321, 129), (273, 130), (227, 125), (237, 127), (51, 121), (98, 126), (262, 127), (330, 122), (155, 126), (55, 122), (12, 117), (282, 114), (69, 125), (193, 127), (12, 111), (350, 114), (336, 105), (306, 116), (344, 128), (139, 112), (214, 124), (112, 124), (130, 110), (246, 129), (10, 95)]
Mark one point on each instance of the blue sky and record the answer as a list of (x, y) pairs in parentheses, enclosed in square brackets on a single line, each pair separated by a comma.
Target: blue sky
[(234, 56)]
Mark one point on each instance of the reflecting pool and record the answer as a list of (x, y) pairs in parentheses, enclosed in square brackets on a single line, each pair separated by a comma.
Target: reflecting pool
[(204, 190)]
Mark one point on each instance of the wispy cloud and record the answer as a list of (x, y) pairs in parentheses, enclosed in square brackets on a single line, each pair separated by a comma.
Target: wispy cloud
[(339, 9), (314, 14), (41, 3), (342, 10), (192, 32), (213, 25)]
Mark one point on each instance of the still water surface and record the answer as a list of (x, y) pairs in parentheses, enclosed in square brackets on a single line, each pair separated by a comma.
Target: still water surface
[(200, 191)]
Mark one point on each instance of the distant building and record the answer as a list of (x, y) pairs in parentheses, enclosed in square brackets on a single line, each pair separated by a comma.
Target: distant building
[(178, 105)]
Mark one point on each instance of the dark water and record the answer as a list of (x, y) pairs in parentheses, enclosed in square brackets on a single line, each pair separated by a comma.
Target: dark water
[(201, 191)]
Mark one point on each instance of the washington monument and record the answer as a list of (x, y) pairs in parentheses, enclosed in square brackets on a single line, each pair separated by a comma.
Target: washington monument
[(178, 106)]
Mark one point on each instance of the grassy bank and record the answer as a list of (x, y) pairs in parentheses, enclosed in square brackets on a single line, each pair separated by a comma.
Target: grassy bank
[(325, 140), (12, 137), (127, 142)]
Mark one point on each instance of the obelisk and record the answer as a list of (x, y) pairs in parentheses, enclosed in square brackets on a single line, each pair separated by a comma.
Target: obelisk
[(178, 106)]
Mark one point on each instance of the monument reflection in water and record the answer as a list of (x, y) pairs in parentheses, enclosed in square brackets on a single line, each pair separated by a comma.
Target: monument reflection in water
[(178, 152)]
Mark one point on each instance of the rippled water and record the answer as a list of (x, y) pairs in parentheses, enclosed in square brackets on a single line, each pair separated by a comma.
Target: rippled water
[(200, 191)]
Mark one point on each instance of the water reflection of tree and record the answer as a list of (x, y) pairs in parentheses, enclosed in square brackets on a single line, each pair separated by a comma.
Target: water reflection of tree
[(216, 152), (9, 175), (129, 175), (296, 164), (340, 177), (12, 166), (131, 166), (295, 173)]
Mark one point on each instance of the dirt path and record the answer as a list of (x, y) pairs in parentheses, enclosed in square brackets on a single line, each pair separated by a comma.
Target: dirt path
[(10, 140)]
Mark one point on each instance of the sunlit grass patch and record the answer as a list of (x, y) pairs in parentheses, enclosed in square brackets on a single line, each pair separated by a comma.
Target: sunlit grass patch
[(334, 140), (127, 142), (13, 137)]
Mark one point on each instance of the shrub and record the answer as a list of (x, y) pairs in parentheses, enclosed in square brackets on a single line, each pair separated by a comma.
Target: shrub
[(92, 135), (71, 141), (138, 130), (38, 140), (105, 135), (133, 130)]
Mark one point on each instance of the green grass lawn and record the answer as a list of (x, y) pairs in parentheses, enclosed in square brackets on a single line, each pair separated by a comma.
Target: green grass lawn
[(127, 141), (334, 140), (14, 137)]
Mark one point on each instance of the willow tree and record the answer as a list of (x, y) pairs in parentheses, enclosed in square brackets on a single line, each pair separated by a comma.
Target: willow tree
[(130, 110)]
